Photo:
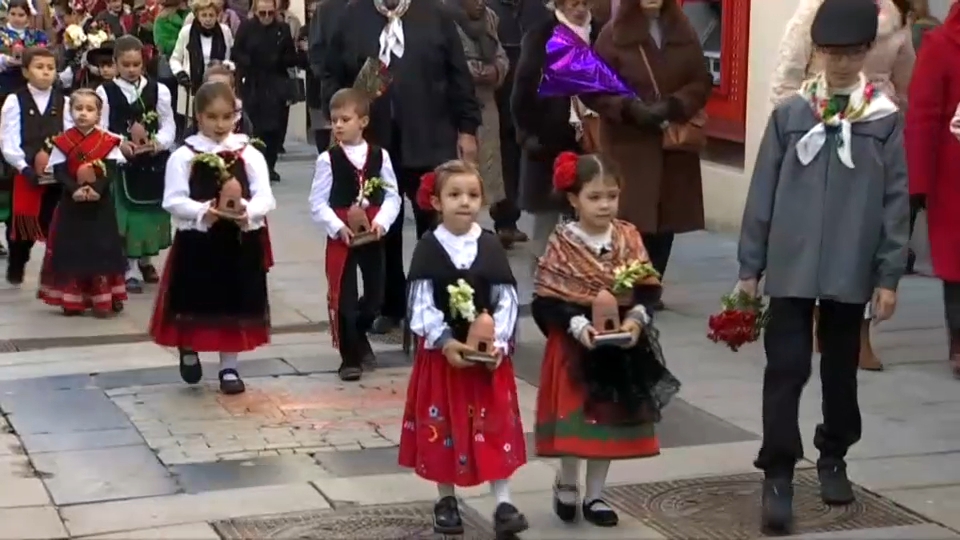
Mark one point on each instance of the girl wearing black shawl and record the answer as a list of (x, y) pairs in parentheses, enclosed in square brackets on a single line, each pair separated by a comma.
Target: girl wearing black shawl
[(596, 400), (204, 42)]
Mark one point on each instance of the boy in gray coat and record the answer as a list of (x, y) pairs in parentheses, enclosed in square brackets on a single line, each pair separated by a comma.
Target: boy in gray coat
[(826, 218)]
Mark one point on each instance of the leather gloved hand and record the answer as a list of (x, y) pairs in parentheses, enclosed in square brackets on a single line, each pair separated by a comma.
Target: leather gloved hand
[(183, 79), (29, 175), (661, 110), (642, 115)]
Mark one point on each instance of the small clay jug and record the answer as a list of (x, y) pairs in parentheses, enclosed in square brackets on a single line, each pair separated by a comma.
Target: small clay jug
[(231, 194)]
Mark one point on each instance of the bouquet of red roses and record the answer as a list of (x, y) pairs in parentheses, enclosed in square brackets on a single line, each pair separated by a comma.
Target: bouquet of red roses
[(739, 322)]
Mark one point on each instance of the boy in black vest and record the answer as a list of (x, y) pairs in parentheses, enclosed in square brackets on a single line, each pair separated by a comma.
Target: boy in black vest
[(353, 178), (30, 116)]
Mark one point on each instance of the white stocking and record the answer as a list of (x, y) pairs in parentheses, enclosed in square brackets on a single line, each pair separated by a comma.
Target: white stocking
[(596, 479)]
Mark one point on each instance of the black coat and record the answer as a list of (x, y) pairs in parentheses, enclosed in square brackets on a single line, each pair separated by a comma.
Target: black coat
[(263, 54), (431, 98), (540, 122)]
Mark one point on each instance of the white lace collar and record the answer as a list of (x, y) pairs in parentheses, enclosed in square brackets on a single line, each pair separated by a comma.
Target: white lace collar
[(233, 142), (596, 242), (445, 237)]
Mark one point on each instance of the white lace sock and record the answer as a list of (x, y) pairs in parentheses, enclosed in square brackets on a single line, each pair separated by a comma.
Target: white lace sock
[(445, 490), (501, 491), (229, 361), (133, 270), (569, 475), (596, 479)]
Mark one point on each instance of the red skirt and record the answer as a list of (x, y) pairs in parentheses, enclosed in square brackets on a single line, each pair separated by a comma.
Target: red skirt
[(566, 428), (78, 294), (199, 337), (461, 426)]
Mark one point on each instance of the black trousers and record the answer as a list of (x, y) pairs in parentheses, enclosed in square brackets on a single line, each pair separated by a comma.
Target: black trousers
[(789, 358), (659, 246), (395, 298), (951, 305), (506, 213), (272, 140), (284, 123), (356, 313)]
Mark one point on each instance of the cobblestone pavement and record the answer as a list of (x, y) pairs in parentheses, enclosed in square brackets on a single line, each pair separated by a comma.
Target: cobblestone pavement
[(276, 416)]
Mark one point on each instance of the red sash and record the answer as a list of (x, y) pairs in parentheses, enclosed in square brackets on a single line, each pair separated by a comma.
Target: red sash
[(28, 198), (336, 261)]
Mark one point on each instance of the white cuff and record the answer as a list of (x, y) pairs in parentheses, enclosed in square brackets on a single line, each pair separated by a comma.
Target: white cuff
[(577, 324)]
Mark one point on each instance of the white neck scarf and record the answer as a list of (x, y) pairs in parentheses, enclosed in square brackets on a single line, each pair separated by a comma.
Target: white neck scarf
[(865, 104), (391, 37)]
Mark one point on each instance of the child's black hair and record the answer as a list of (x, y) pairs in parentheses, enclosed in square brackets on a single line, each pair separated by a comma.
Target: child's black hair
[(210, 92), (588, 167), (125, 44)]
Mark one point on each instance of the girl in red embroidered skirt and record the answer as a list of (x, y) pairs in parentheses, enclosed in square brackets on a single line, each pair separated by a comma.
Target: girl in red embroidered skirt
[(84, 264), (213, 295), (462, 425)]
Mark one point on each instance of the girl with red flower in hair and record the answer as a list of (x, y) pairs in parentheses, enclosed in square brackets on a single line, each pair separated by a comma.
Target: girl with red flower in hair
[(461, 424), (598, 397)]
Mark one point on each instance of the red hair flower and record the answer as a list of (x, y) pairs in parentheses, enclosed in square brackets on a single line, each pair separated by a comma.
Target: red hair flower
[(565, 171), (428, 183)]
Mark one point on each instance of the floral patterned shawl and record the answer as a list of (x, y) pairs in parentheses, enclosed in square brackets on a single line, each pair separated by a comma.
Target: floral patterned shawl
[(572, 271)]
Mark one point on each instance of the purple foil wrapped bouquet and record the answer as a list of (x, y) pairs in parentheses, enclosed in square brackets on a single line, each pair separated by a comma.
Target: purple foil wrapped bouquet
[(573, 68)]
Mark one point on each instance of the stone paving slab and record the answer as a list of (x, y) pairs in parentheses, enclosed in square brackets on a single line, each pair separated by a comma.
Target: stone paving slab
[(153, 512), (34, 523), (191, 531), (259, 471), (105, 474)]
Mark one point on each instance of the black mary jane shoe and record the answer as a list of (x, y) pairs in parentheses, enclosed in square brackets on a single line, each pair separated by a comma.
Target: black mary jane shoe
[(149, 273), (602, 517), (3, 251), (508, 521), (446, 516), (117, 306), (350, 373), (190, 373), (233, 385), (134, 286), (567, 512)]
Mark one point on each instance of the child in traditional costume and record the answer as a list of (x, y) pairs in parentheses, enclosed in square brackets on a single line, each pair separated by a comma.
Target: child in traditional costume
[(353, 178), (461, 425), (603, 380), (139, 109), (15, 37), (84, 263), (213, 297), (30, 117), (98, 67), (826, 217), (224, 73)]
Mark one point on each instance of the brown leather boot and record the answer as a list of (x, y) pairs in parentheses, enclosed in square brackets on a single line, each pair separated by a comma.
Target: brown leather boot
[(868, 360)]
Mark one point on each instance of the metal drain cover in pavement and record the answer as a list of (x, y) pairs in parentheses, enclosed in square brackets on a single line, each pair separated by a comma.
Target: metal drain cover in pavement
[(387, 522), (728, 507)]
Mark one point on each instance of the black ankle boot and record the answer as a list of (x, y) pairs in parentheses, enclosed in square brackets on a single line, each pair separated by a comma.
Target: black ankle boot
[(835, 487), (777, 506), (191, 374), (508, 521), (446, 516)]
